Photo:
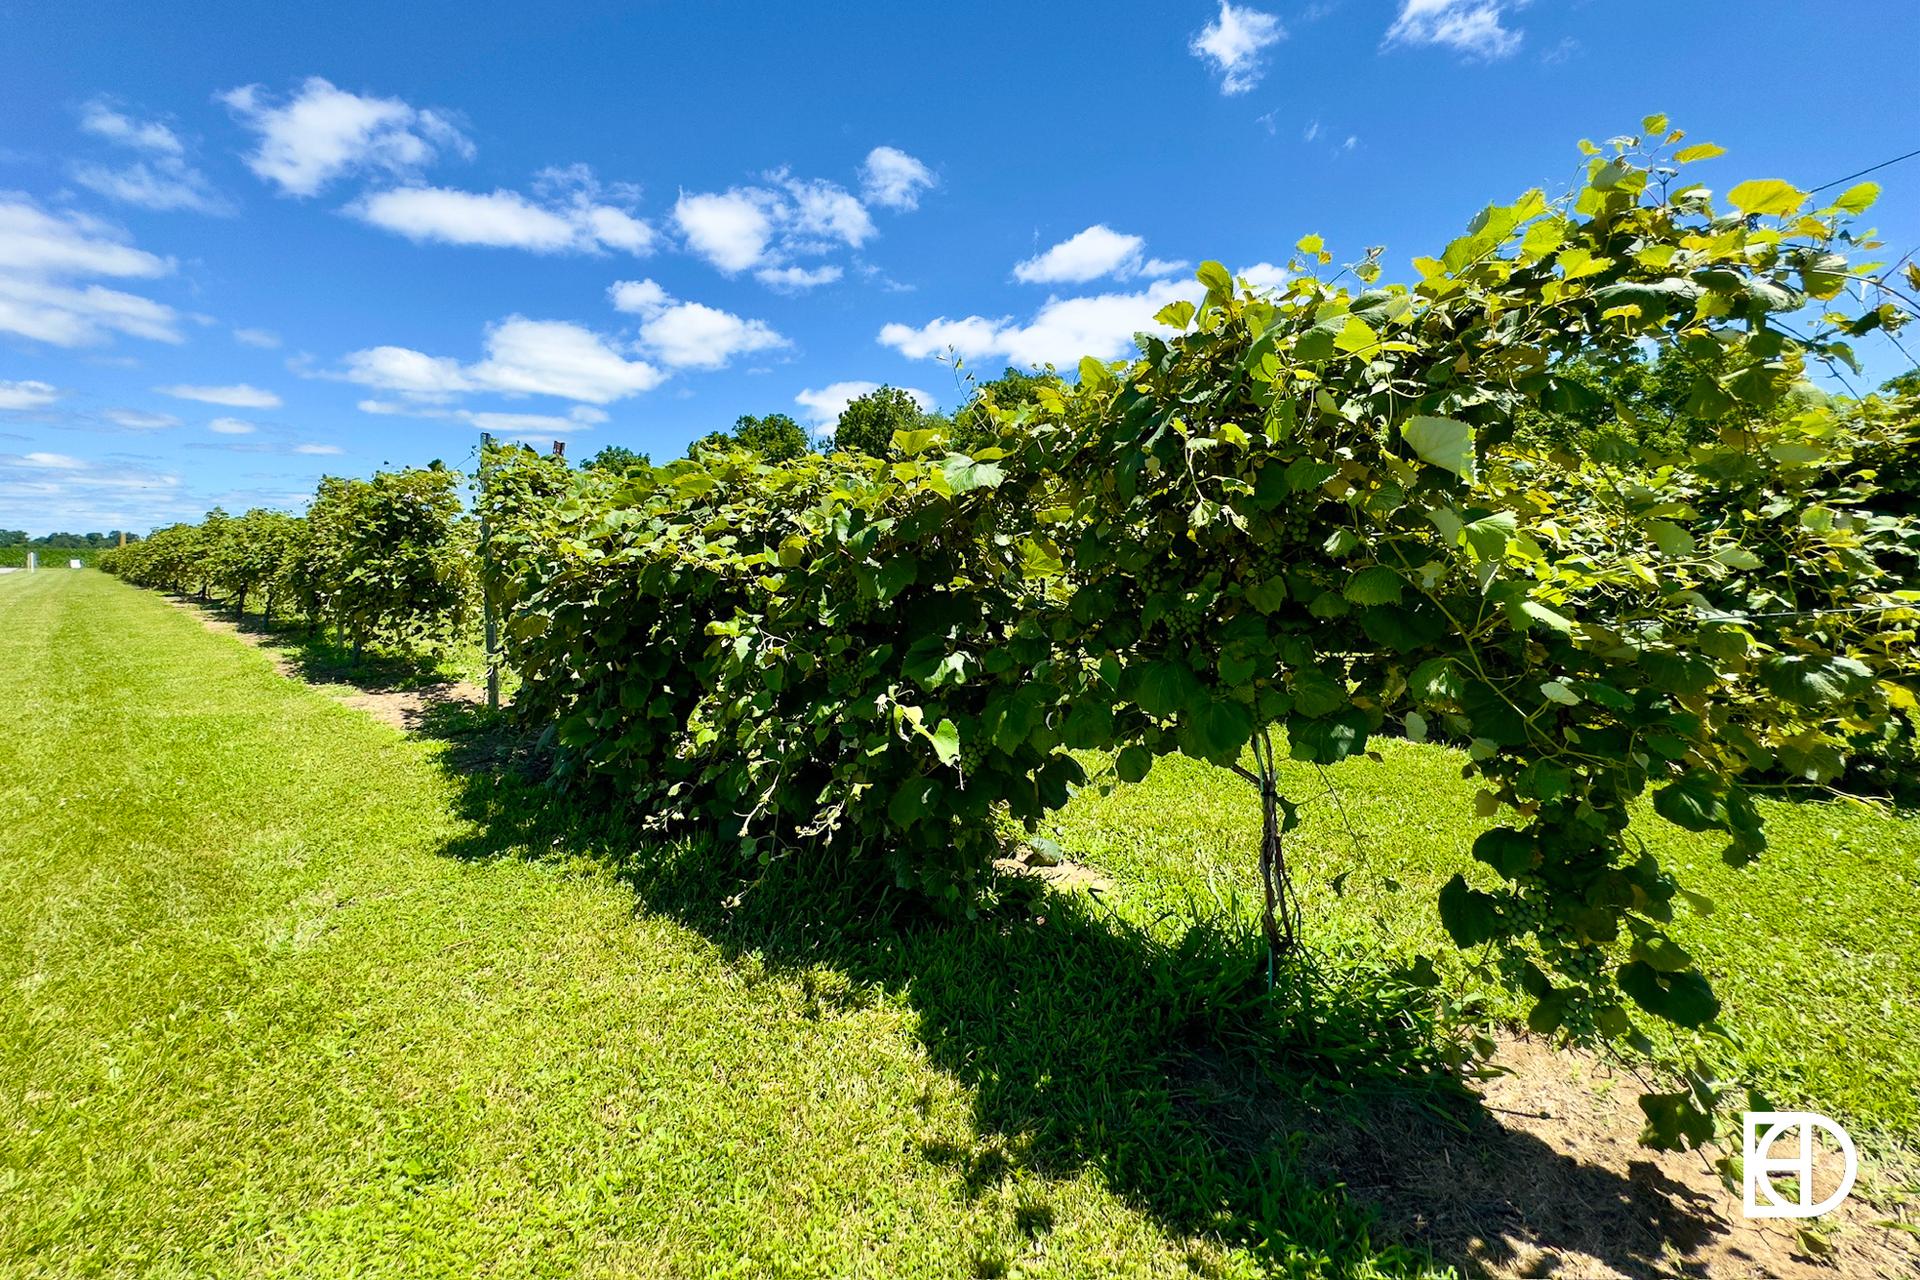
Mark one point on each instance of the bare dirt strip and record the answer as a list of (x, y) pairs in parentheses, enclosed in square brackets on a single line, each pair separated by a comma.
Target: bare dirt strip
[(403, 708), (1554, 1180)]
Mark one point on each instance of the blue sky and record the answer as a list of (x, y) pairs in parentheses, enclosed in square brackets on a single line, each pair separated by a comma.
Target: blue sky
[(242, 246)]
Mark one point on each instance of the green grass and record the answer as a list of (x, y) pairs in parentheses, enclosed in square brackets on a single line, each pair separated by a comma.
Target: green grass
[(284, 992), (1814, 950)]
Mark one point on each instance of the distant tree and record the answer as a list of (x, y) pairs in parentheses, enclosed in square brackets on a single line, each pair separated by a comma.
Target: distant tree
[(775, 437), (1624, 406), (1907, 383), (1010, 390), (867, 424), (617, 459), (13, 537)]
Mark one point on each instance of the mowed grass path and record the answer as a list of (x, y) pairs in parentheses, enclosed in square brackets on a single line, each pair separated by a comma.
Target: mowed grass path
[(282, 992), (255, 1020)]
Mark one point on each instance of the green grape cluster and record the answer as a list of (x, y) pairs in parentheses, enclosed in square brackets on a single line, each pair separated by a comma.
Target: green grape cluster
[(1578, 1021), (1296, 521), (1525, 908), (1584, 963), (1267, 560), (838, 662), (1186, 619), (1163, 574)]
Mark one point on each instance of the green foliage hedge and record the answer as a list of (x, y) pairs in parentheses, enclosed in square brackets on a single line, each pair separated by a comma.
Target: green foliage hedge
[(788, 650), (50, 557), (389, 559)]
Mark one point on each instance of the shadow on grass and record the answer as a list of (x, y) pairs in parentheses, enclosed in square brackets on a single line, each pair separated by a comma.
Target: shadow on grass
[(1318, 1124), (313, 655)]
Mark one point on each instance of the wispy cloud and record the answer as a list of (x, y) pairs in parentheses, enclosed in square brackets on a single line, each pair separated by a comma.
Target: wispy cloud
[(161, 179), (569, 212), (44, 257), (239, 395), (1472, 27)]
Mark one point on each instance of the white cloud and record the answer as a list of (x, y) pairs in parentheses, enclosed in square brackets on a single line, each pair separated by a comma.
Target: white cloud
[(385, 408), (523, 357), (230, 427), (321, 133), (1472, 27), (19, 396), (689, 335), (70, 244), (893, 179), (265, 339), (1264, 276), (102, 120), (970, 338), (829, 211), (500, 219), (42, 253), (163, 185), (163, 180), (568, 216), (237, 396), (825, 405), (50, 461), (552, 357), (733, 230), (407, 371), (796, 279), (761, 227), (1060, 333), (139, 420), (317, 450), (1097, 251), (65, 316), (1235, 42), (1560, 52), (641, 297)]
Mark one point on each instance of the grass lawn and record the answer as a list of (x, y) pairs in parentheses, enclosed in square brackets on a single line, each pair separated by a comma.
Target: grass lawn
[(285, 992), (1814, 950)]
